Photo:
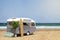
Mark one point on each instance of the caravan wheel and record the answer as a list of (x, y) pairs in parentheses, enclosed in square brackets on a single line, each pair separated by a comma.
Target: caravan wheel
[(28, 33)]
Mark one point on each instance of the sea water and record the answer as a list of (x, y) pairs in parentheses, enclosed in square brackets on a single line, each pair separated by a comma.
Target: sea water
[(3, 26)]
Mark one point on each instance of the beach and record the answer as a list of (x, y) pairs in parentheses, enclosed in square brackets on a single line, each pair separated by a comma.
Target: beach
[(38, 35)]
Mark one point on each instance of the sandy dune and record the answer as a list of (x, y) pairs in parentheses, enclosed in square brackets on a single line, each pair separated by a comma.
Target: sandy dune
[(38, 35)]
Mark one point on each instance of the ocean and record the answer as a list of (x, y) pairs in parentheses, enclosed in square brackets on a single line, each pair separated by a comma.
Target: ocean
[(38, 25)]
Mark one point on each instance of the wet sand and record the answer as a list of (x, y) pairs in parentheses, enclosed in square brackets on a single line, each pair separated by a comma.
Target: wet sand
[(38, 35)]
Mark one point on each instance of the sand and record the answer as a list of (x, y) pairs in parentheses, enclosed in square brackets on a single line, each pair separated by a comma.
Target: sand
[(38, 35)]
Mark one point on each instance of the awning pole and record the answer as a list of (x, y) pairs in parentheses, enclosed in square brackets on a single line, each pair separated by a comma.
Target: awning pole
[(21, 28)]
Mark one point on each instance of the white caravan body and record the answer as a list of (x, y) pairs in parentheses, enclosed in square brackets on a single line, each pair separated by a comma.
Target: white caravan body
[(29, 25)]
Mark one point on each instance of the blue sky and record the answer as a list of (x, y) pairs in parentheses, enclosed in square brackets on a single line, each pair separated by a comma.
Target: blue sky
[(43, 11)]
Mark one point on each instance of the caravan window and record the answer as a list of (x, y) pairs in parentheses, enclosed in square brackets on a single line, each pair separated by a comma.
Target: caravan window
[(25, 24), (9, 23), (32, 24)]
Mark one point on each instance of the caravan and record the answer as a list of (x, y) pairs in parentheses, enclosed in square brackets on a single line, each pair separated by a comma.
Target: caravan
[(28, 25)]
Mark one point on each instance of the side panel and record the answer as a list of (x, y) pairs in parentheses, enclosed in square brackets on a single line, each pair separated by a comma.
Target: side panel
[(17, 30), (32, 29), (26, 29), (9, 29)]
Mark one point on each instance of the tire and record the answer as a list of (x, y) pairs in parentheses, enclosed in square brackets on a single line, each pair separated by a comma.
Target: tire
[(18, 35), (28, 33)]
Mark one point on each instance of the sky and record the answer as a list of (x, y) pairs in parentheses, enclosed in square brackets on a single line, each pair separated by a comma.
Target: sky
[(42, 11)]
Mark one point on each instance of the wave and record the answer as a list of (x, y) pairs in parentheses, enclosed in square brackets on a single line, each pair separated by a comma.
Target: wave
[(48, 27), (37, 27), (3, 27)]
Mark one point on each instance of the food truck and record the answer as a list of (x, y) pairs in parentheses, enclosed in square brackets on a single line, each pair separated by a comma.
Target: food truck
[(29, 25)]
